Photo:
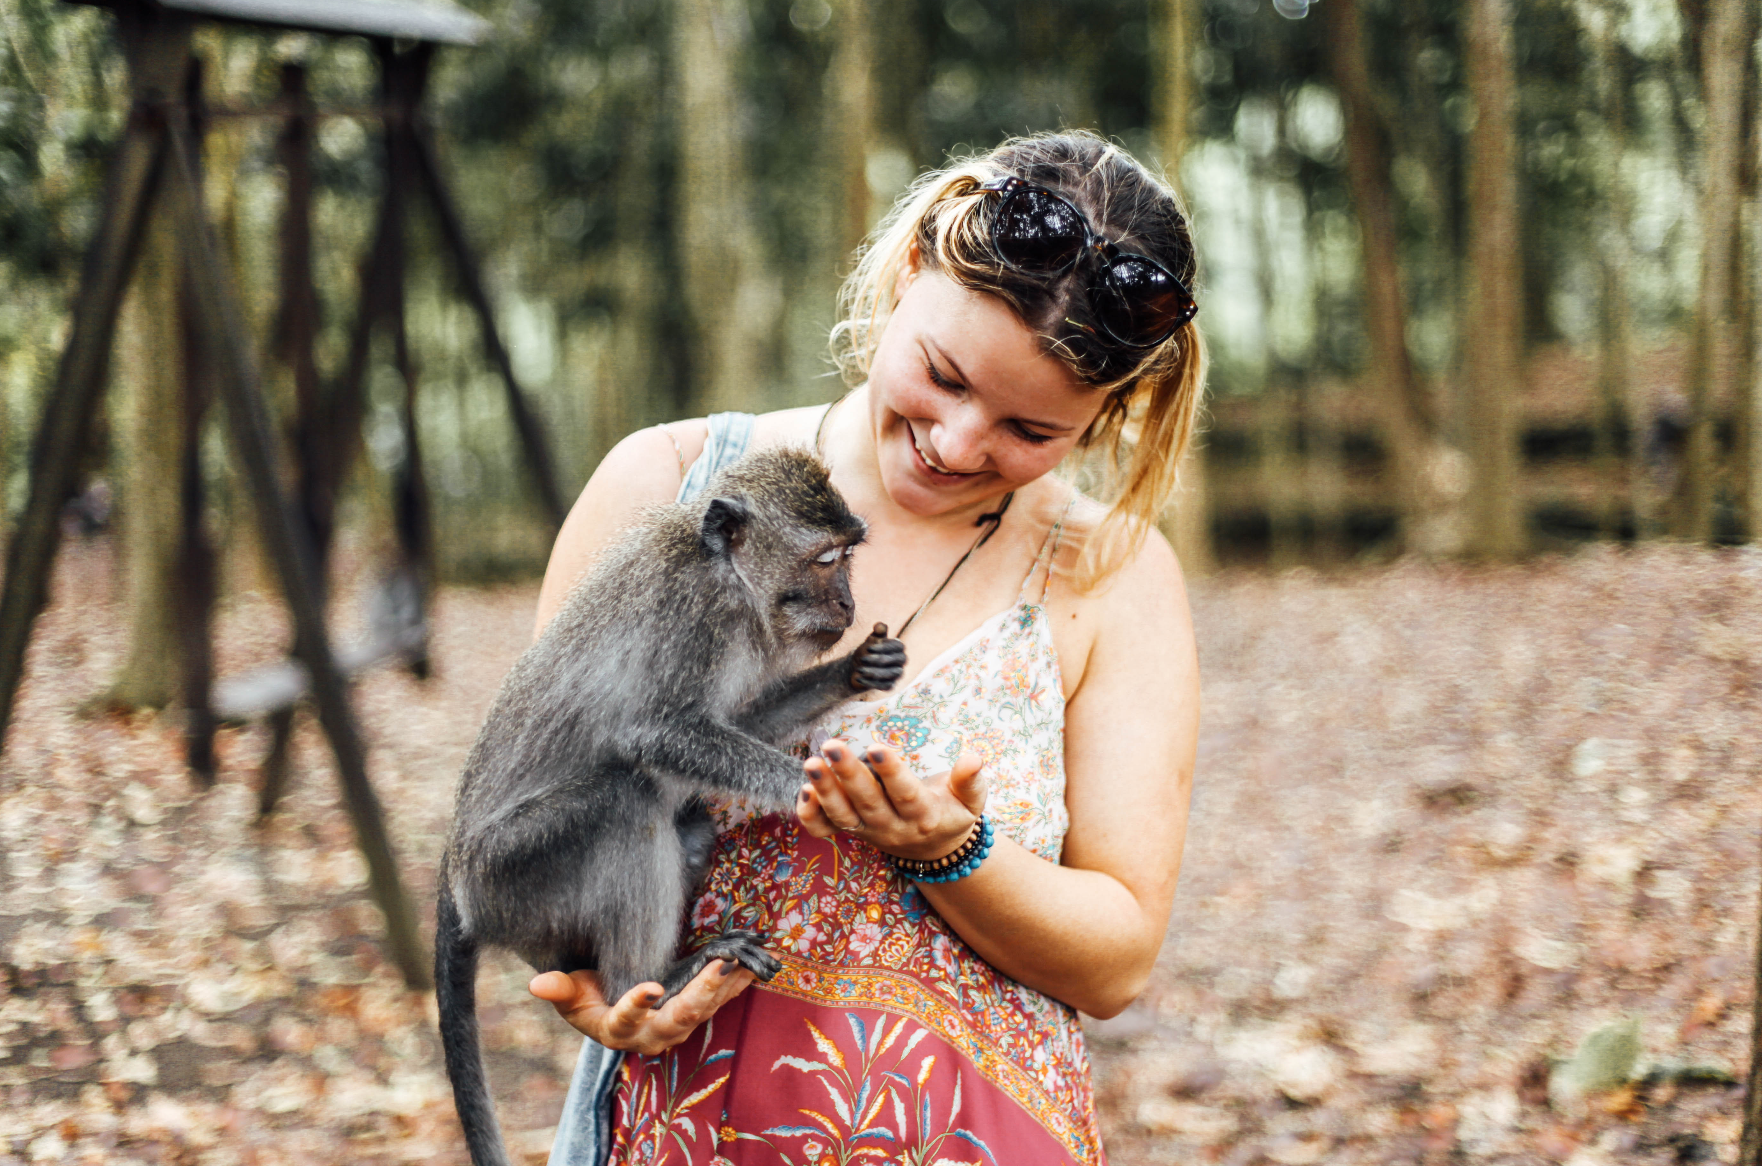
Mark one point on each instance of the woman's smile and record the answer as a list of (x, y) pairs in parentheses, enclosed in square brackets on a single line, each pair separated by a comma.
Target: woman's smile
[(930, 466)]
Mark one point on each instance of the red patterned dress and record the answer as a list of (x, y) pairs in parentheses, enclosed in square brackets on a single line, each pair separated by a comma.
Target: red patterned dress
[(885, 1038)]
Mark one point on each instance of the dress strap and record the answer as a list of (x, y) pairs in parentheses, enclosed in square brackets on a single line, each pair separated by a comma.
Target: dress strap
[(729, 435), (1047, 553)]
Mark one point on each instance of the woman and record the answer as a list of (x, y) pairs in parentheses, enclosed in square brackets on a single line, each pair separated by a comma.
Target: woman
[(1014, 312)]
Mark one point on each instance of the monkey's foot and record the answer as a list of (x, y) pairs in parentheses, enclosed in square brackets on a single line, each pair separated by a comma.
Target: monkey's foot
[(744, 948)]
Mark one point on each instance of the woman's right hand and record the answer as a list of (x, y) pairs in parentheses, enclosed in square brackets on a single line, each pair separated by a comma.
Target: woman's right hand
[(632, 1025)]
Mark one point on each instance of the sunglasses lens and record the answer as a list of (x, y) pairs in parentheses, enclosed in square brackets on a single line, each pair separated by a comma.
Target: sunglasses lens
[(1038, 232), (1139, 303)]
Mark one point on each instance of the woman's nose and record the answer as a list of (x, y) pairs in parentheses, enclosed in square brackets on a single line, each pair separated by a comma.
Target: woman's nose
[(960, 440)]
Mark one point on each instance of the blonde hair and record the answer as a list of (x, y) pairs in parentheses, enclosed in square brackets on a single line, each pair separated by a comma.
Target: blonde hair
[(1134, 445)]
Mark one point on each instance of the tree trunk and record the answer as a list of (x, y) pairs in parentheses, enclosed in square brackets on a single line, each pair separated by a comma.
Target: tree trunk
[(635, 385), (1189, 522), (1621, 401), (1324, 472), (1385, 313), (151, 373), (1495, 278), (1750, 1143), (1723, 46), (733, 302), (850, 108), (1281, 475), (1750, 377)]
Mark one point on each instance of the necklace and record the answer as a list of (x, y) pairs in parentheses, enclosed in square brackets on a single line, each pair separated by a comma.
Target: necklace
[(990, 520)]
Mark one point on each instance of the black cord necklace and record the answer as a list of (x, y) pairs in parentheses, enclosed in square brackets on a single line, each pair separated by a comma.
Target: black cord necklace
[(991, 520)]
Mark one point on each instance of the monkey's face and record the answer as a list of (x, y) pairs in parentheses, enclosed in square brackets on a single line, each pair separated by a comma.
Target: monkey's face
[(814, 604), (787, 535)]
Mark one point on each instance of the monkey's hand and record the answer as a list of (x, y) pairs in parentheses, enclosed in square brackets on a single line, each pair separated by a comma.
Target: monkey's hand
[(878, 662)]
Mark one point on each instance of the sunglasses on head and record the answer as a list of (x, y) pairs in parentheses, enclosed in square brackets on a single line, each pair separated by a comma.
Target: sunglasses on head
[(1137, 301)]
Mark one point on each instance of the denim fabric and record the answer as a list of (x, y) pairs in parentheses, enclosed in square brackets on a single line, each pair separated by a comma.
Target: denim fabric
[(584, 1131)]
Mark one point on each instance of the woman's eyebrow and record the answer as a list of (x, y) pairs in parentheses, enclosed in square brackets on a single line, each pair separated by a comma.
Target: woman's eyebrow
[(962, 378), (958, 374)]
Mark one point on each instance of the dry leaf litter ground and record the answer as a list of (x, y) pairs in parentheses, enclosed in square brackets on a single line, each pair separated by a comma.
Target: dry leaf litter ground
[(1448, 824)]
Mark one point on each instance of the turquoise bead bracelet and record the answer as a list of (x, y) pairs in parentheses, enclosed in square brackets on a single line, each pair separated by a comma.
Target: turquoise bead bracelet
[(964, 860)]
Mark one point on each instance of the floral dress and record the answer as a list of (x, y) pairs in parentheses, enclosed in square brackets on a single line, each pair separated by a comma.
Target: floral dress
[(885, 1038)]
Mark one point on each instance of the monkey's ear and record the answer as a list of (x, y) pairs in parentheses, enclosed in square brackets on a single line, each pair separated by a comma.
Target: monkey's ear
[(725, 525)]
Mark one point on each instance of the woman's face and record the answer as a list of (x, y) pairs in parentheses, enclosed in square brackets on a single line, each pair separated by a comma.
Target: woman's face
[(966, 404)]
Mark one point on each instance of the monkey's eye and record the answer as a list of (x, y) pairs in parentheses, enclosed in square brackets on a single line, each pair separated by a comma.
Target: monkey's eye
[(850, 550), (830, 556)]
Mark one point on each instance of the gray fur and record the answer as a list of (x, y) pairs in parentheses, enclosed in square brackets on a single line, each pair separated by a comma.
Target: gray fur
[(580, 828)]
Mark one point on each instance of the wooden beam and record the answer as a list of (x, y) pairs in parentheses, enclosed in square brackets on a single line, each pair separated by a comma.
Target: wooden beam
[(254, 445), (532, 436), (159, 56)]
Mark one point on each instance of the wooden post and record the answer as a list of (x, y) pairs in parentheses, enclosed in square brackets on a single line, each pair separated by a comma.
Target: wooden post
[(196, 562), (296, 329), (410, 503), (255, 447)]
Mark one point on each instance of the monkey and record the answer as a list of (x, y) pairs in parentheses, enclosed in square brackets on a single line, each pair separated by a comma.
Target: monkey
[(678, 670)]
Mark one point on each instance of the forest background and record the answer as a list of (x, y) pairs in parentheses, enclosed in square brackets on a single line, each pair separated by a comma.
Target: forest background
[(1476, 830), (1478, 278)]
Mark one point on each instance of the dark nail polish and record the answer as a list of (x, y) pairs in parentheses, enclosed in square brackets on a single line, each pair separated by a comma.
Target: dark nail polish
[(835, 754), (728, 967), (873, 757)]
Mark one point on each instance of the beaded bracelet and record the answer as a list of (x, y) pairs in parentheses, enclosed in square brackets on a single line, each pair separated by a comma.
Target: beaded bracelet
[(958, 864)]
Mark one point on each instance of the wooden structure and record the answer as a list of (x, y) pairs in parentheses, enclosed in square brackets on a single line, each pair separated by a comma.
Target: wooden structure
[(156, 168)]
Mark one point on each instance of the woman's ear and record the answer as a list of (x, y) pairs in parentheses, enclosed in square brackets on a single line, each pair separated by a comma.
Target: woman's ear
[(909, 268)]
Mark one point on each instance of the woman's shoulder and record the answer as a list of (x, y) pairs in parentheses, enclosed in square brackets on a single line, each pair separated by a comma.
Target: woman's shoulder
[(686, 438), (1097, 558)]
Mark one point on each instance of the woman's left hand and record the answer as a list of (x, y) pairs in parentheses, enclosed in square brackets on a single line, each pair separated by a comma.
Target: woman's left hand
[(873, 796)]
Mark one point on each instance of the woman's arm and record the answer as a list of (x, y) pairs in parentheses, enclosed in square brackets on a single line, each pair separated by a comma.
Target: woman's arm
[(1088, 931), (642, 470)]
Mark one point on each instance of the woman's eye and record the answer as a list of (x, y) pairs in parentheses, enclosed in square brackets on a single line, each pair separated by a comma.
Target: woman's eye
[(830, 556), (1032, 437), (936, 377)]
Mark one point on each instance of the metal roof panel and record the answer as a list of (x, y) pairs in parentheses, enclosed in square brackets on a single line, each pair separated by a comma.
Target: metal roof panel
[(430, 20)]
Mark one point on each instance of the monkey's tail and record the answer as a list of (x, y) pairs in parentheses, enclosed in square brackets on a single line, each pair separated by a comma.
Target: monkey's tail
[(455, 990)]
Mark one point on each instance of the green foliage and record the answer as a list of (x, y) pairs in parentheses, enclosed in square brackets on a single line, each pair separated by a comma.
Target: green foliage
[(562, 135)]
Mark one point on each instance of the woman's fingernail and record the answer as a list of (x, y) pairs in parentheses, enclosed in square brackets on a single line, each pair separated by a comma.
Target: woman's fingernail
[(728, 967), (874, 757), (834, 753)]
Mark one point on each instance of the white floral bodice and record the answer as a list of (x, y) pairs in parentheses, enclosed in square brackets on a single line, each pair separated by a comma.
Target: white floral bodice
[(997, 692)]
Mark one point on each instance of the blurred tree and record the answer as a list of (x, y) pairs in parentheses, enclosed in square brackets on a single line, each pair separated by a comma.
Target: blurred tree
[(732, 299), (1724, 44), (1189, 522), (1393, 383), (1495, 276), (850, 124), (1621, 407), (665, 193), (150, 376), (1749, 377)]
